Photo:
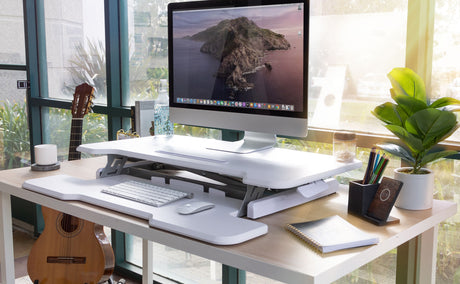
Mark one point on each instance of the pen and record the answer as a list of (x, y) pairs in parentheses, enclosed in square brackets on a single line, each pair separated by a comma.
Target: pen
[(377, 157), (370, 164), (380, 168)]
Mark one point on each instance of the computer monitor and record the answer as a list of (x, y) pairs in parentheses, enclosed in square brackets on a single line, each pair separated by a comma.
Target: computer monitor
[(240, 65)]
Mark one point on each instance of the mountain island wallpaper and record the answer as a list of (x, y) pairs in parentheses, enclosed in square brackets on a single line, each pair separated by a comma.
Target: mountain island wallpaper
[(246, 55)]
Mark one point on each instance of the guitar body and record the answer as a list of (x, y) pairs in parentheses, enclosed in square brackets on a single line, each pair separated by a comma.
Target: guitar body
[(70, 251)]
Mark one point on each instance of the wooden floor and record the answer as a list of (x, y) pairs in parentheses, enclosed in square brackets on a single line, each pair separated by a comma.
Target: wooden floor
[(23, 242)]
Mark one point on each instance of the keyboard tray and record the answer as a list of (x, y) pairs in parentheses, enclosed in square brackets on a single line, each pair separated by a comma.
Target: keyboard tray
[(216, 226)]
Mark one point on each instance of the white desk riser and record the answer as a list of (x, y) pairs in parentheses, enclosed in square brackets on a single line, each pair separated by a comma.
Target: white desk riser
[(273, 168), (270, 168), (288, 259)]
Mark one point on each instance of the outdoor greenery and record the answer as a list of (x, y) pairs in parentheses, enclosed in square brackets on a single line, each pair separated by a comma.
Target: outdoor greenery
[(94, 129), (88, 65), (14, 136), (14, 133)]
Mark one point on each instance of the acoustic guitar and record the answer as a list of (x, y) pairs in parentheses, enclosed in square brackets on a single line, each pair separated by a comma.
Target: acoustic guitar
[(71, 250)]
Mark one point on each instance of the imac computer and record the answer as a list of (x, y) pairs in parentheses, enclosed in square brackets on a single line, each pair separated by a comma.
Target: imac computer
[(240, 65)]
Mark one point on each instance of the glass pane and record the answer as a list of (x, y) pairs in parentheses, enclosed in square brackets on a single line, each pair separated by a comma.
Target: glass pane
[(148, 35), (175, 264), (353, 45), (446, 83), (148, 61), (14, 129), (381, 270), (75, 47), (59, 121), (8, 86), (12, 49), (445, 80), (447, 187)]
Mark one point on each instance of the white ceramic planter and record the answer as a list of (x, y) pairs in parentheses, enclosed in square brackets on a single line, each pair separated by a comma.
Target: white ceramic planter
[(417, 190)]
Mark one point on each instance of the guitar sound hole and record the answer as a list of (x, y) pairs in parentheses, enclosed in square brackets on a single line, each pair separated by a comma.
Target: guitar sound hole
[(69, 224)]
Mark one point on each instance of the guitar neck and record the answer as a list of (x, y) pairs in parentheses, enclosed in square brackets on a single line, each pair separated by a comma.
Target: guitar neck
[(75, 138)]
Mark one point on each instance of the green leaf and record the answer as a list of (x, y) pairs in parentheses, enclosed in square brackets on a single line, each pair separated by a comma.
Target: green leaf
[(387, 113), (406, 82), (446, 101), (431, 125), (403, 115), (409, 105), (429, 142), (398, 151), (431, 157), (412, 142)]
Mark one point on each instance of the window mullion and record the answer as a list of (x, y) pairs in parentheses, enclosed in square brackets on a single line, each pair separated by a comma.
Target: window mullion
[(117, 64), (117, 58), (36, 65), (419, 41)]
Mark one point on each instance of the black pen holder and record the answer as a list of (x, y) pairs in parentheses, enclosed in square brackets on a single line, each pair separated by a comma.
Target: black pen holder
[(360, 197)]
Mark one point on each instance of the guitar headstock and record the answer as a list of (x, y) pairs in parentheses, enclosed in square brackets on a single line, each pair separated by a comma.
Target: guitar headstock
[(82, 100)]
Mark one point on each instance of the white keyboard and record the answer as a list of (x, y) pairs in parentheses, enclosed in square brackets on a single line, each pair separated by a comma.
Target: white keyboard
[(146, 193)]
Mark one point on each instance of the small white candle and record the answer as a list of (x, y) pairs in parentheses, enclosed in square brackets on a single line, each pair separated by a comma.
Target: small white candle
[(45, 154)]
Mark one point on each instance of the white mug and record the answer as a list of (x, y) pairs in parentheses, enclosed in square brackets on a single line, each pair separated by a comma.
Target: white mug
[(45, 154)]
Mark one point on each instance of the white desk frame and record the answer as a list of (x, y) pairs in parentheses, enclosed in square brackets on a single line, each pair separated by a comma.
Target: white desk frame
[(288, 259)]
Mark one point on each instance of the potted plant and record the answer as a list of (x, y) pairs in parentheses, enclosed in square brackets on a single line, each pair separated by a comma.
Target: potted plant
[(420, 126)]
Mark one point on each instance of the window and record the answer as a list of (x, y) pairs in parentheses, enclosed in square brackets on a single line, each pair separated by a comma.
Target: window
[(345, 37), (148, 48), (14, 136), (59, 120), (148, 63), (75, 52), (14, 131), (445, 78), (445, 81), (11, 20), (75, 47)]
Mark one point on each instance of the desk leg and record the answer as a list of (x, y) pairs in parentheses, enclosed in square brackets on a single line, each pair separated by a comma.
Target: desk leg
[(147, 265), (231, 275), (416, 259), (6, 240)]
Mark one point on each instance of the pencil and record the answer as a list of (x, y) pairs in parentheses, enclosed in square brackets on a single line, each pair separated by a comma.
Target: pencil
[(379, 176)]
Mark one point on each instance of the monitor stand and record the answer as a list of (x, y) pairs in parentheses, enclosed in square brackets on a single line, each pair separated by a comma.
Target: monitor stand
[(252, 142)]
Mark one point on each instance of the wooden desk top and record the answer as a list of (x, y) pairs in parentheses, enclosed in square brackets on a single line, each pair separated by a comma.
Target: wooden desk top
[(277, 255)]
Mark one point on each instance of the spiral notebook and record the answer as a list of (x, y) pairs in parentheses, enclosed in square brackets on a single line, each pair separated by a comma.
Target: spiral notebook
[(331, 234)]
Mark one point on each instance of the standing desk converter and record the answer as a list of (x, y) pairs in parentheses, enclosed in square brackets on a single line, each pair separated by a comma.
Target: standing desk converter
[(250, 174), (288, 259)]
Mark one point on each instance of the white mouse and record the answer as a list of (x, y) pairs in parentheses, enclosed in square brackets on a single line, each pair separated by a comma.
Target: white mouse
[(194, 207)]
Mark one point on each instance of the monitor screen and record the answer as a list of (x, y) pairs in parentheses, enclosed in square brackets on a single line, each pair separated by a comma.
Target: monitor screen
[(239, 65)]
